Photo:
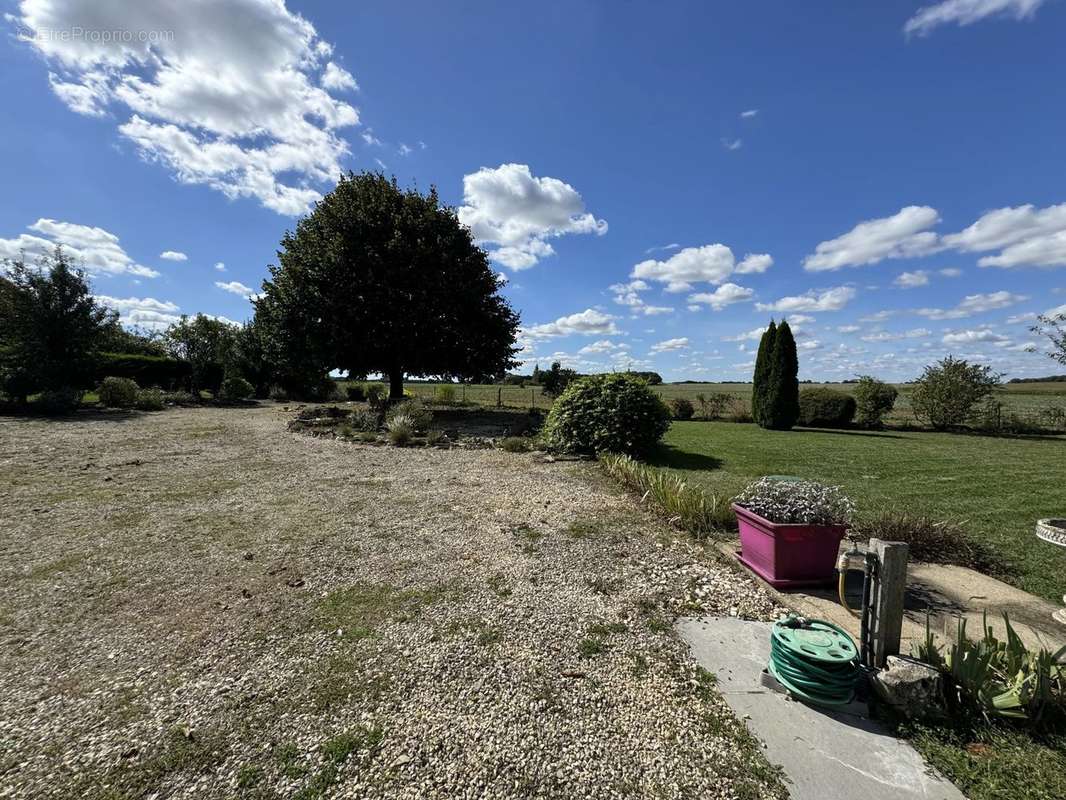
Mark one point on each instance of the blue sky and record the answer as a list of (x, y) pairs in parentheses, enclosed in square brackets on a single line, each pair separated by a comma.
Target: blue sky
[(655, 180)]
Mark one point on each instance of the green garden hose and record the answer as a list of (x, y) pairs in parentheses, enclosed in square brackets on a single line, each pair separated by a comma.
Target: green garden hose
[(815, 660)]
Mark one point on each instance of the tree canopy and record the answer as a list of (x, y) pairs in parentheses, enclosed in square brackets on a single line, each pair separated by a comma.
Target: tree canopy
[(51, 328), (379, 279)]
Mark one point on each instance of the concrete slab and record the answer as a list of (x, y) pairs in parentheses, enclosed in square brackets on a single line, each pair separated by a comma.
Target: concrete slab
[(946, 592), (826, 755)]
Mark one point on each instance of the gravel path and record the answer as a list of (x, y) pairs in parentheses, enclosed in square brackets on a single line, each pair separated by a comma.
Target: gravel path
[(197, 603)]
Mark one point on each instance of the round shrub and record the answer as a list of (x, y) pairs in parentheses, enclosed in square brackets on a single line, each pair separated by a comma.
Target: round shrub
[(376, 394), (445, 395), (873, 400), (234, 389), (614, 413), (825, 408), (682, 408), (150, 400), (416, 413), (356, 393), (516, 444), (118, 392), (400, 429)]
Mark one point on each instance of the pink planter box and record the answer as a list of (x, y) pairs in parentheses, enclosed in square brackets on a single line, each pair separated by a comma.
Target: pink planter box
[(788, 555)]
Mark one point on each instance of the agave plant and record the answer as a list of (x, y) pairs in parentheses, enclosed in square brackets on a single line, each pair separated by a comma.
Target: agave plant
[(1000, 678)]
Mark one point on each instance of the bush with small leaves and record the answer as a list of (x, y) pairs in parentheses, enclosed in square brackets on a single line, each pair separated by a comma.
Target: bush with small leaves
[(796, 502), (682, 408), (445, 395), (364, 419), (180, 398), (873, 400), (355, 392), (118, 392), (58, 402), (946, 394), (376, 395), (419, 416), (150, 400), (825, 408), (516, 444), (400, 429), (234, 389), (610, 413)]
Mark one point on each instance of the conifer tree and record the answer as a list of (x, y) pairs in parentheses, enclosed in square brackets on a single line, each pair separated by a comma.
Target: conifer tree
[(761, 379)]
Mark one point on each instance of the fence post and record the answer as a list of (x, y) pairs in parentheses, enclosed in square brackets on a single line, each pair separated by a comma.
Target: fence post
[(888, 599), (499, 396), (532, 399)]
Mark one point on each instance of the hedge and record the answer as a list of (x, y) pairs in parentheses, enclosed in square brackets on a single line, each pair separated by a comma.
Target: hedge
[(166, 373)]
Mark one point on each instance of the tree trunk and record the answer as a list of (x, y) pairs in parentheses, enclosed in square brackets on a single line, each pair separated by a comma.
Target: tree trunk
[(396, 385)]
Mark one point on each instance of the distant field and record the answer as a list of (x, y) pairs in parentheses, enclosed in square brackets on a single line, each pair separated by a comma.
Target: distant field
[(1029, 400), (997, 486)]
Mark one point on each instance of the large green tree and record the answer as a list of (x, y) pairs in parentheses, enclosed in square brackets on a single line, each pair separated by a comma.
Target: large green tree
[(380, 279), (207, 344), (761, 379), (51, 328)]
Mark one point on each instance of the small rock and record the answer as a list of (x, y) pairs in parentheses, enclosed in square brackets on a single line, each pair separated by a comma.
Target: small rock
[(912, 688)]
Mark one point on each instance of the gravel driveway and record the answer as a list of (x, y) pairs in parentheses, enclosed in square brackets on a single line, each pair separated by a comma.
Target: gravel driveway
[(196, 603)]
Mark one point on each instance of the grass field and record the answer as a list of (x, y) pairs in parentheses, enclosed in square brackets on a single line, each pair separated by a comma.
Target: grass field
[(1030, 400), (997, 486)]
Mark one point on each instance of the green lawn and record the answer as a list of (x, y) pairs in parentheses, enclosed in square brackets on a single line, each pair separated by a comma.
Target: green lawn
[(997, 486)]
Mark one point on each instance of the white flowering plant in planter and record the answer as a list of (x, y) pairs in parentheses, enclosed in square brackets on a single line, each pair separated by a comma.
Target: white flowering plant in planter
[(796, 502)]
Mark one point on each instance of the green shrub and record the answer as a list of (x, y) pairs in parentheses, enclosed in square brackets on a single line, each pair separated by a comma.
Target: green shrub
[(180, 398), (825, 408), (400, 429), (516, 444), (419, 416), (364, 419), (115, 392), (690, 507), (445, 395), (278, 394), (946, 394), (376, 395), (435, 437), (874, 399), (58, 402), (355, 392), (717, 405), (682, 408), (612, 413), (150, 399), (234, 389)]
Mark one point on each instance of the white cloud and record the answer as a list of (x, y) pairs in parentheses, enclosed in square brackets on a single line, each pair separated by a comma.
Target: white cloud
[(235, 287), (338, 79), (885, 336), (754, 262), (827, 300), (404, 150), (712, 263), (589, 322), (95, 249), (670, 345), (173, 255), (751, 112), (967, 12), (754, 335), (903, 235), (628, 294), (732, 144), (801, 319), (223, 93), (848, 328), (221, 267), (603, 346), (973, 337), (508, 206), (950, 272), (974, 304), (146, 312), (724, 295), (912, 280), (1024, 235), (381, 164), (372, 140), (671, 246)]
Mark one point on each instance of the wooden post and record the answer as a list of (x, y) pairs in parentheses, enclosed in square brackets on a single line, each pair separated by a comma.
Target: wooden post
[(887, 600), (532, 399), (499, 396)]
